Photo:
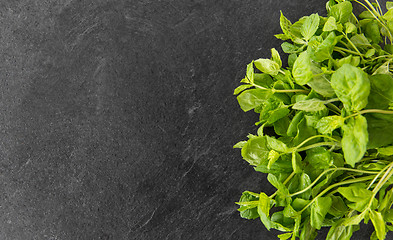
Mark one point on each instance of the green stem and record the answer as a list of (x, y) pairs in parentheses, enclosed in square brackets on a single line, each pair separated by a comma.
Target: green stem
[(329, 170), (361, 179), (377, 176), (353, 45), (369, 111), (280, 90), (346, 50), (381, 182), (336, 144), (311, 138), (376, 17)]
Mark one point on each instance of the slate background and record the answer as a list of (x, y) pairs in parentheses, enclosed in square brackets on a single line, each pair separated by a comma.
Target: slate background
[(117, 117)]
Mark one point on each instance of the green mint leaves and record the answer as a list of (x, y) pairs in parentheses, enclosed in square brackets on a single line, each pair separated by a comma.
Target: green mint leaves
[(331, 109)]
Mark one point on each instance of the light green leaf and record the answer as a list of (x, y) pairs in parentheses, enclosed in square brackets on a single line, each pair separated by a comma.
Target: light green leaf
[(263, 80), (352, 87), (248, 212), (252, 98), (285, 25), (341, 11), (255, 151), (354, 220), (359, 40), (305, 181), (319, 158), (241, 88), (301, 71), (276, 57), (310, 26), (379, 224), (289, 48), (296, 162), (387, 151), (330, 24), (388, 15), (276, 144), (327, 124), (350, 27), (282, 36), (389, 5), (310, 105), (356, 194), (250, 72), (240, 144), (319, 209), (325, 49), (267, 66), (277, 184), (355, 139), (338, 231), (273, 157), (321, 85), (284, 236)]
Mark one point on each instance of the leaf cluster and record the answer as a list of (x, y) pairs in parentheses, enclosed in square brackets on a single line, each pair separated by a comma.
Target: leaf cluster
[(331, 157)]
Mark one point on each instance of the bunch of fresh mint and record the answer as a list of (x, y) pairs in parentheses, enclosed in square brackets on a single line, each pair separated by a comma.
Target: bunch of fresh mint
[(331, 158)]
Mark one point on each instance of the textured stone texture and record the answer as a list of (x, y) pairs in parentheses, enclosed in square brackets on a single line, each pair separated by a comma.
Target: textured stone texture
[(117, 117)]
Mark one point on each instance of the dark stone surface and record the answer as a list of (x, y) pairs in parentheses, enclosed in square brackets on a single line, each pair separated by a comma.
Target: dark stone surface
[(117, 117)]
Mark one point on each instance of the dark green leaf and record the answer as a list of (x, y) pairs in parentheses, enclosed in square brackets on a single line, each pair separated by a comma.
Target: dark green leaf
[(304, 132), (338, 207), (380, 130), (373, 32)]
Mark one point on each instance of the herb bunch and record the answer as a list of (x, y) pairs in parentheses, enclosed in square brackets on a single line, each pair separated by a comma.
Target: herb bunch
[(331, 157)]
